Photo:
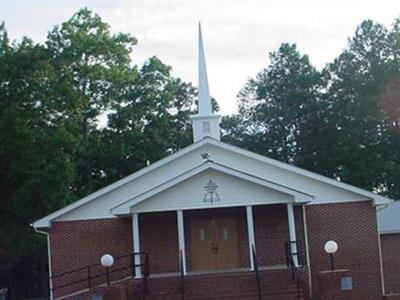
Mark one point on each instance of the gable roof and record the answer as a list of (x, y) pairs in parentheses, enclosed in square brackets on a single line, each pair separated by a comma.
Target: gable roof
[(46, 221), (378, 199), (109, 188), (299, 196)]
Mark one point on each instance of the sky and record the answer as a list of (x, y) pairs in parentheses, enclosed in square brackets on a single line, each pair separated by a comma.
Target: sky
[(238, 35)]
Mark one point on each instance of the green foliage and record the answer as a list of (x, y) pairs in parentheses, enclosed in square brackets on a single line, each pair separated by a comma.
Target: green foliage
[(154, 116), (53, 148), (35, 166), (342, 122), (277, 106), (358, 79)]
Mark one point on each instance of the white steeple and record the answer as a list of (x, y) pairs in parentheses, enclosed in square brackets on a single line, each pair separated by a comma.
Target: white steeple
[(205, 122)]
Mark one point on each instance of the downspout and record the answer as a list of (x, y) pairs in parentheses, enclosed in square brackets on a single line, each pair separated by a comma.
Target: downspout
[(378, 208), (49, 259), (307, 250)]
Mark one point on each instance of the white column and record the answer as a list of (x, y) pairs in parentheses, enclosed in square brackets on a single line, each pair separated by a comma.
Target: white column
[(136, 244), (181, 238), (250, 233), (292, 231)]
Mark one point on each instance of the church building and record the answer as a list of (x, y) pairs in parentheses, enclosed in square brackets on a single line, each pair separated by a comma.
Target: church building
[(214, 221)]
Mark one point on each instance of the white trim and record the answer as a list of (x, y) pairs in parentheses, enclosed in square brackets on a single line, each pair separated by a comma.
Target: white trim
[(380, 256), (307, 248), (378, 199), (292, 231), (50, 268), (250, 233), (45, 221), (181, 238), (91, 218), (136, 244), (124, 207), (197, 207), (387, 232), (342, 201), (49, 261)]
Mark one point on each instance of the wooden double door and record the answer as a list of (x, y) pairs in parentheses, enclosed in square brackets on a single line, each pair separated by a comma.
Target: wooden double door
[(214, 244)]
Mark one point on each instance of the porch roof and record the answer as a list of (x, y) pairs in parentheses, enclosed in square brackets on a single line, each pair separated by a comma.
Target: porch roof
[(295, 195)]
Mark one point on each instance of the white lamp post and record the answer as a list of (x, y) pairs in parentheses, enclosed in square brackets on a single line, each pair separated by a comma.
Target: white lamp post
[(107, 260), (331, 247)]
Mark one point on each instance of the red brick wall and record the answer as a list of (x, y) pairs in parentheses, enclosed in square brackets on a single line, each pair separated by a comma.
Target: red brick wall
[(271, 232), (329, 283), (159, 237), (77, 244), (391, 262), (353, 226)]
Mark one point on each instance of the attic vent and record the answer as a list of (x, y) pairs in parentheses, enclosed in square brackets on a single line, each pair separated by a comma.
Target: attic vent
[(206, 126)]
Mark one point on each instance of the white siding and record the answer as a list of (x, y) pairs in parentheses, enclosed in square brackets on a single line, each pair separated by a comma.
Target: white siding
[(100, 207), (231, 190)]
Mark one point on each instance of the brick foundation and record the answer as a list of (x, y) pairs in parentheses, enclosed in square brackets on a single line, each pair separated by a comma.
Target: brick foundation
[(329, 283), (391, 262)]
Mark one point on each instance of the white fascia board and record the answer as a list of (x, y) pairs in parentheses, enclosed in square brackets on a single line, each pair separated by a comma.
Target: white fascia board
[(45, 222), (219, 205), (387, 232), (125, 207), (299, 196), (377, 199)]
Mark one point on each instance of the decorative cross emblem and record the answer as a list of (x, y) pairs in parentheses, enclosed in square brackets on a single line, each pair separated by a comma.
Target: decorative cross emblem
[(211, 194)]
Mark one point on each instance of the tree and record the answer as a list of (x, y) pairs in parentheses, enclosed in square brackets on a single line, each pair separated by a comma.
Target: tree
[(277, 106), (341, 122), (94, 74), (152, 122), (34, 178), (358, 78)]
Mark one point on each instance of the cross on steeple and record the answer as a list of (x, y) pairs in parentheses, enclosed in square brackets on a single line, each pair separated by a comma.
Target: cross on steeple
[(205, 122)]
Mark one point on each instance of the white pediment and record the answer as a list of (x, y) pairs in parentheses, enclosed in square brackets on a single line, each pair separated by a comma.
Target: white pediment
[(189, 191), (230, 191), (193, 194)]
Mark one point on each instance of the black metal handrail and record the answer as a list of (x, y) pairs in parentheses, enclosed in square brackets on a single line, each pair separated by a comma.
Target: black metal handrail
[(291, 264), (90, 275), (145, 273), (182, 276), (257, 274)]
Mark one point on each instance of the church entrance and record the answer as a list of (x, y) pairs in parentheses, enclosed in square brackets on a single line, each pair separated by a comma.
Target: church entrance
[(215, 244)]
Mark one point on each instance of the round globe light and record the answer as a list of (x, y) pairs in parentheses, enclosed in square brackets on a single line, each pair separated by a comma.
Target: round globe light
[(107, 260), (331, 247)]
